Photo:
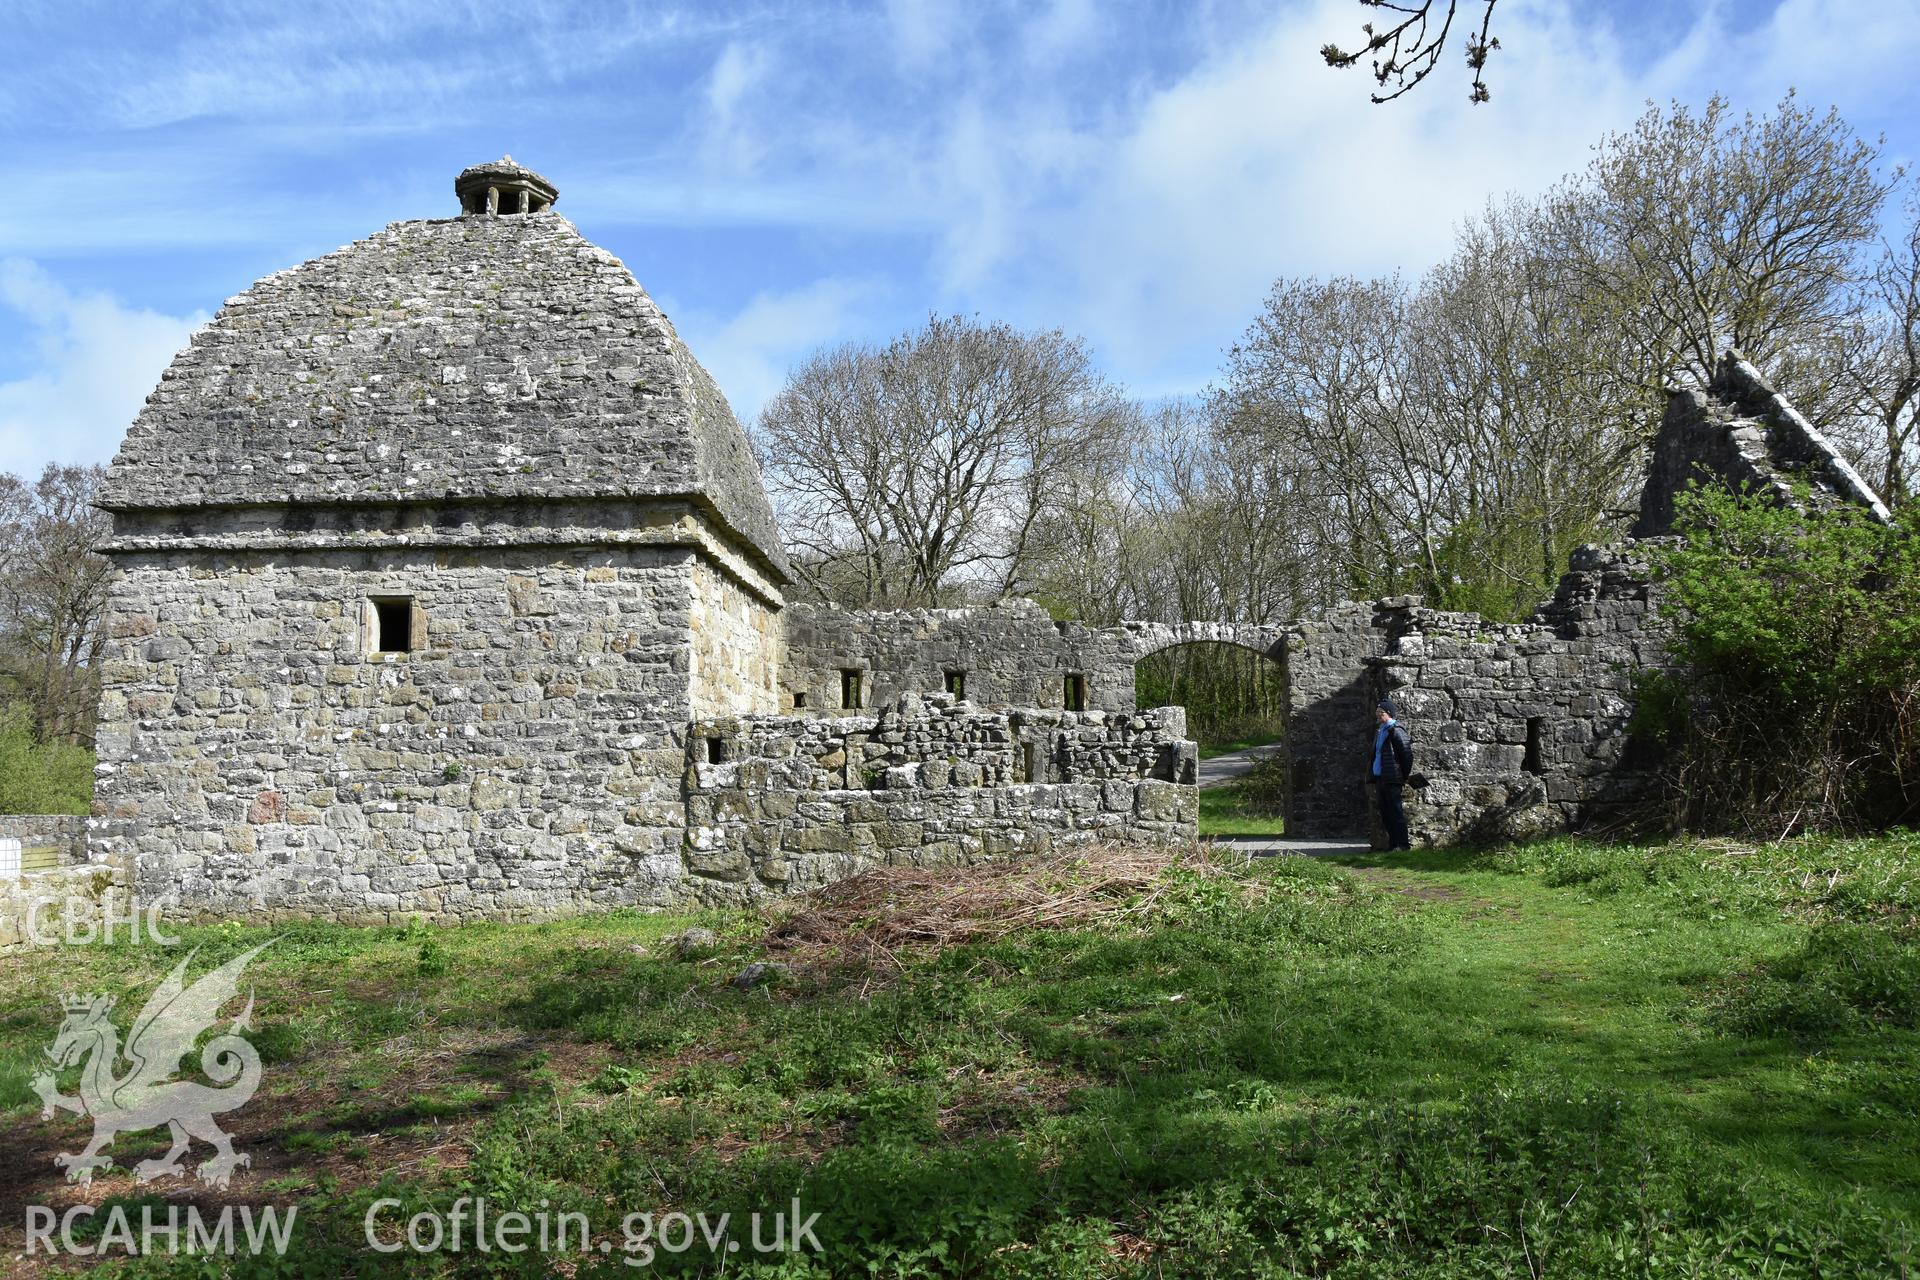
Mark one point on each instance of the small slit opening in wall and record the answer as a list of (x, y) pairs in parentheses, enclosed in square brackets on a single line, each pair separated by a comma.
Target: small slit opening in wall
[(1029, 762), (1075, 693), (957, 684), (1531, 761), (851, 689), (716, 750)]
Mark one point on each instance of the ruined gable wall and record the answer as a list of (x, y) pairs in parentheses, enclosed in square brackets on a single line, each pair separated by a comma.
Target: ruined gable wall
[(1742, 434), (523, 761), (795, 802)]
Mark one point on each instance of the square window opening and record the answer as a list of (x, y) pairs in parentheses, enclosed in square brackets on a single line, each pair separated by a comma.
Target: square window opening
[(716, 750), (393, 624), (799, 700)]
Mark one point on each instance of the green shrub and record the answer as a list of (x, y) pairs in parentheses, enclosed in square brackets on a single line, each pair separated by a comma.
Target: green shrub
[(1796, 666), (41, 777)]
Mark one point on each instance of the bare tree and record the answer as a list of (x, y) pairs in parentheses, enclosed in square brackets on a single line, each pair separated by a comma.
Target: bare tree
[(1692, 233), (1405, 50), (1886, 378), (53, 591), (924, 471)]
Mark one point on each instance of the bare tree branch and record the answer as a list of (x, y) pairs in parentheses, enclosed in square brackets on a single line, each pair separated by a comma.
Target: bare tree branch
[(1406, 52)]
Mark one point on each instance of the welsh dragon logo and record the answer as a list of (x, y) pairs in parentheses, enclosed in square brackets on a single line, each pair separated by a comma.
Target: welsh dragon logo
[(147, 1096)]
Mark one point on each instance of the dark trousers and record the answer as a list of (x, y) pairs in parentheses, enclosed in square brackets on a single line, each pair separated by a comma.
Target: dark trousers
[(1393, 815)]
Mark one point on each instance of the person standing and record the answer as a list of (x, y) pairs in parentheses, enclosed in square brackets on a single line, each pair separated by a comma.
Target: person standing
[(1392, 763)]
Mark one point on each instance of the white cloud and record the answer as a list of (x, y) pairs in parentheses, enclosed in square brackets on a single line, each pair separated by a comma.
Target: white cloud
[(730, 138), (1259, 161), (750, 352), (923, 31), (1062, 29), (95, 361)]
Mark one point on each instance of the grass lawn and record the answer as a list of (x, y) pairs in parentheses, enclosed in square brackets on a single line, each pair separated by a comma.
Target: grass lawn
[(1227, 811), (1561, 1060)]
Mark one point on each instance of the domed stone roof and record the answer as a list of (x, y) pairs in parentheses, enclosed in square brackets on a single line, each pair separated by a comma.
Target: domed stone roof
[(481, 357)]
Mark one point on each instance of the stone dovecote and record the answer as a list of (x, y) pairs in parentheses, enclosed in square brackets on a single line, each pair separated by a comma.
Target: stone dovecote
[(431, 555)]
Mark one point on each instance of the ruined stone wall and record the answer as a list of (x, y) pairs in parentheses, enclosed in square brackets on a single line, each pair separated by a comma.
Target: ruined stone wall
[(784, 803), (735, 647), (1518, 729), (64, 834), (1743, 435), (256, 759), (1011, 655), (59, 891), (1331, 692)]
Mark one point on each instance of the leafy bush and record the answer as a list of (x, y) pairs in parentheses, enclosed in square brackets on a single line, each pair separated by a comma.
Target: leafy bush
[(41, 777), (1794, 696)]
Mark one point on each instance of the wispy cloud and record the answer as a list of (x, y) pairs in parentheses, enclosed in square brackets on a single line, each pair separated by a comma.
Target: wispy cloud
[(95, 359), (749, 352)]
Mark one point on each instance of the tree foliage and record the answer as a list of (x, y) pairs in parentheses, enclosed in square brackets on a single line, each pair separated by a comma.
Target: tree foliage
[(53, 589), (1457, 436), (38, 776), (1794, 696)]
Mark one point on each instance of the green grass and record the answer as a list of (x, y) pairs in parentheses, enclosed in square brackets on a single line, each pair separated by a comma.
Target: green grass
[(1229, 811), (1564, 1060)]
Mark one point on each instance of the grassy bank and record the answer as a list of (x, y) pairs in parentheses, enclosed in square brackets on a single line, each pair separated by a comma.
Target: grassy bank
[(1563, 1060)]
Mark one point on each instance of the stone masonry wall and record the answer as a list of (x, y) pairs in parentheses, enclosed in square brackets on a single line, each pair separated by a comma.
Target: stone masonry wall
[(1012, 654), (256, 759), (735, 648), (71, 895), (1742, 434), (1331, 692), (1518, 729), (783, 803), (1524, 728), (64, 832)]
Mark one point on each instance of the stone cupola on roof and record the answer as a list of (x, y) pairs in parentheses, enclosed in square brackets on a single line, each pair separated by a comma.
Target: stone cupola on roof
[(473, 360), (502, 186)]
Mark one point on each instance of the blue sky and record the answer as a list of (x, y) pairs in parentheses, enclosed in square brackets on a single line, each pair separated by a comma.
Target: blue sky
[(786, 175)]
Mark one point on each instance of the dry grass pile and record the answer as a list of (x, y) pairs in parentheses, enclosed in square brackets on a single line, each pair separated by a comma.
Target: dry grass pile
[(883, 913)]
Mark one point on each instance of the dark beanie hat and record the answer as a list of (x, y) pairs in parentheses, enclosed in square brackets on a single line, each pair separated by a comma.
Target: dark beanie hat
[(1386, 705)]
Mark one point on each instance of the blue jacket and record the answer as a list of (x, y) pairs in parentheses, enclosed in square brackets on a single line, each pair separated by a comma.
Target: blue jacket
[(1392, 757)]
